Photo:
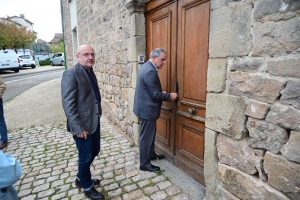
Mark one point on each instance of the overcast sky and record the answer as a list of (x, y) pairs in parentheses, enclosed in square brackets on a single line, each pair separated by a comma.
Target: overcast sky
[(44, 14)]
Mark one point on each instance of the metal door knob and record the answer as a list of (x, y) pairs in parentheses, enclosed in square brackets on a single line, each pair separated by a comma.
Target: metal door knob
[(192, 111)]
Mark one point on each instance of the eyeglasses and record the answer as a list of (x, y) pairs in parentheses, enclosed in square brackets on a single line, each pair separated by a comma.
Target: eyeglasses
[(87, 55)]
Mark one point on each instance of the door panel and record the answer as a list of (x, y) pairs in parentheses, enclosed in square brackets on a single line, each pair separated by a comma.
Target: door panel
[(181, 27), (193, 26), (161, 32)]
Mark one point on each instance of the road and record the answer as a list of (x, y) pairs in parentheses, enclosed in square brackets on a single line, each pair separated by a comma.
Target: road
[(16, 83)]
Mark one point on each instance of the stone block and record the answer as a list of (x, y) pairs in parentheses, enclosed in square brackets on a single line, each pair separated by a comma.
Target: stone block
[(283, 175), (291, 150), (225, 114), (245, 186), (259, 157), (236, 154), (284, 116), (136, 46), (291, 94), (257, 109), (275, 10), (265, 135), (216, 75), (247, 64), (227, 195), (284, 67), (133, 117), (227, 38), (134, 72), (138, 26), (136, 133), (254, 86), (276, 38), (211, 164)]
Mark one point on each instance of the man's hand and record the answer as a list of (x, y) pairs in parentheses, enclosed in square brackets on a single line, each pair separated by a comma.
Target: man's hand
[(83, 134), (173, 96)]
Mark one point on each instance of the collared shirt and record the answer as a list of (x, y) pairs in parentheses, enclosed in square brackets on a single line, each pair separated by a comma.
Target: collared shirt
[(153, 65), (94, 83)]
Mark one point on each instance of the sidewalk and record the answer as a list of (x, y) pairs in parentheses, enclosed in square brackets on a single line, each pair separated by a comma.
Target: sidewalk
[(48, 155)]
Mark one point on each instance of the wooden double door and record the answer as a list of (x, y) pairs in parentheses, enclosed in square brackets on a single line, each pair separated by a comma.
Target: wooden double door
[(181, 27)]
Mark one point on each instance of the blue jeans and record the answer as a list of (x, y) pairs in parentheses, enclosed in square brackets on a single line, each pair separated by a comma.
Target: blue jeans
[(3, 128), (88, 149)]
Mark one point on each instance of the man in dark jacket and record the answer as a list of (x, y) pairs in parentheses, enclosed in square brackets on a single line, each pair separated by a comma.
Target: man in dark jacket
[(147, 104)]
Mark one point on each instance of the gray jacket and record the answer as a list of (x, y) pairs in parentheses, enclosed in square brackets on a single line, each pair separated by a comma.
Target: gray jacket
[(79, 101), (148, 93)]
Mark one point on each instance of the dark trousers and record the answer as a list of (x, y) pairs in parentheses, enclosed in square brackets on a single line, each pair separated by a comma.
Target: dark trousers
[(147, 138), (88, 149)]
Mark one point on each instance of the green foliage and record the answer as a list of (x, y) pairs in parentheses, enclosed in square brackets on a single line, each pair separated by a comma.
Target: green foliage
[(57, 47), (45, 62), (15, 37)]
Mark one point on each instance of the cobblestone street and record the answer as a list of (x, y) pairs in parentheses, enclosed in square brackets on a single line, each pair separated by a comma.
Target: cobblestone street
[(48, 156)]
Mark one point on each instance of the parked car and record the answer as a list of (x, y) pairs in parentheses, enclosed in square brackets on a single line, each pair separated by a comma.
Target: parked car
[(26, 61), (9, 60), (58, 59)]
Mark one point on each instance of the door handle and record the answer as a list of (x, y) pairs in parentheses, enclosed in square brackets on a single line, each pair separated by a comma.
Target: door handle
[(177, 91), (192, 111)]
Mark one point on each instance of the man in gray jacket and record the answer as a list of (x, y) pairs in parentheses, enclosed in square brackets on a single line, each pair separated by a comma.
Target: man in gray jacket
[(81, 101), (147, 104)]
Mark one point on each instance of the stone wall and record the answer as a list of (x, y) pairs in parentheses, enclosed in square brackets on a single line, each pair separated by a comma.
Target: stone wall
[(252, 148), (116, 31)]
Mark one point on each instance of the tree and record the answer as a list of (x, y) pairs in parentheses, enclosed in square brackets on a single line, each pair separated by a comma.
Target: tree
[(57, 47), (13, 37)]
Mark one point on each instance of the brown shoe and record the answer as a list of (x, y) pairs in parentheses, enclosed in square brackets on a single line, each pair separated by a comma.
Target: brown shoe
[(3, 145)]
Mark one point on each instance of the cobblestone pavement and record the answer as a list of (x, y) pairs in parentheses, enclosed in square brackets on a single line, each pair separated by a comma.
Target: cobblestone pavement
[(48, 156)]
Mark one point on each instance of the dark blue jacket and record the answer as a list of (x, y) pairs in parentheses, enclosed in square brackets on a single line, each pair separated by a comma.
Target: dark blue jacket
[(148, 93)]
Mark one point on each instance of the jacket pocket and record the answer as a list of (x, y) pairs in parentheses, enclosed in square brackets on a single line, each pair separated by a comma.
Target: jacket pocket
[(152, 104)]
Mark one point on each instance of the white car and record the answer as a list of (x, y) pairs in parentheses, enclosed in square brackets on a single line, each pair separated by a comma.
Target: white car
[(26, 61), (9, 60), (58, 59)]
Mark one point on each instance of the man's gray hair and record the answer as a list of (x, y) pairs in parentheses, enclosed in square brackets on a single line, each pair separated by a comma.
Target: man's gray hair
[(157, 51)]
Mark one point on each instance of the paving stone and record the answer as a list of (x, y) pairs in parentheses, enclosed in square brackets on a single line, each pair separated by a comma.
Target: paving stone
[(158, 179), (129, 188), (132, 173), (173, 190), (23, 193), (114, 193), (58, 196), (57, 183), (39, 182), (163, 185), (133, 195), (159, 195), (46, 193), (116, 198), (111, 187), (150, 189), (30, 197), (40, 188)]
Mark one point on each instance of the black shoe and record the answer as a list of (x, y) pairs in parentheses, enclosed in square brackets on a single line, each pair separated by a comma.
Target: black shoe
[(152, 168), (158, 156), (94, 194), (94, 181)]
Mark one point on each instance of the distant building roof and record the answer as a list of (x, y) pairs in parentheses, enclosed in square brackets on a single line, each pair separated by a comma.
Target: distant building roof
[(57, 37), (40, 41), (21, 18)]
